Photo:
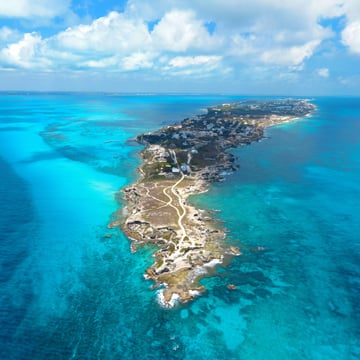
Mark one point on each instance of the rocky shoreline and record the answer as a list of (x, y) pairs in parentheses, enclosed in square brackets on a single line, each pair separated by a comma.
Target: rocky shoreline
[(182, 160)]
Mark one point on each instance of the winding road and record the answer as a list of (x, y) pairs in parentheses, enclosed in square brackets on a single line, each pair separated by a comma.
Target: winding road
[(171, 193)]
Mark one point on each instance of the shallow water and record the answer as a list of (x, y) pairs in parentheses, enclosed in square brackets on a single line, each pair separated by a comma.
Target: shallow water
[(70, 291)]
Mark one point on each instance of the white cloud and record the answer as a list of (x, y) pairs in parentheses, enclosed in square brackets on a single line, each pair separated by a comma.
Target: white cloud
[(351, 36), (33, 8), (180, 31), (293, 55), (351, 33), (100, 64), (261, 33), (241, 45), (116, 42), (195, 66), (111, 33), (352, 9), (25, 53), (185, 61), (8, 36), (137, 61), (323, 72), (118, 33), (254, 28), (6, 33), (235, 14)]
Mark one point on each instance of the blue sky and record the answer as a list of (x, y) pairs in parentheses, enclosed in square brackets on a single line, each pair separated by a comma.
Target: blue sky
[(279, 47)]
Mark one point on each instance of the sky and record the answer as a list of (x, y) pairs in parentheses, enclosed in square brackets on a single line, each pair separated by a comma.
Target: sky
[(265, 47)]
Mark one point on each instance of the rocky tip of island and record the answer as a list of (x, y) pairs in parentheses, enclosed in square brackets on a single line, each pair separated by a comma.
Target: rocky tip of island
[(182, 160)]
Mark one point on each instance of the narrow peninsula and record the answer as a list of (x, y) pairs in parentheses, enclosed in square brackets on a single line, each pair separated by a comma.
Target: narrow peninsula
[(182, 160)]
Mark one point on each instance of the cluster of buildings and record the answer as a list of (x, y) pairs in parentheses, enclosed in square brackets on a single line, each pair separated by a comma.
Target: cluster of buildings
[(201, 141)]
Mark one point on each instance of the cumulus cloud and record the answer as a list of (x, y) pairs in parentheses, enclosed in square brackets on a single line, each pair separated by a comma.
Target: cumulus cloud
[(323, 72), (100, 64), (351, 36), (180, 31), (25, 53), (174, 37), (111, 33), (184, 61), (241, 13), (195, 66), (293, 55), (351, 8), (115, 42), (34, 8), (177, 31), (8, 36), (137, 61), (261, 28)]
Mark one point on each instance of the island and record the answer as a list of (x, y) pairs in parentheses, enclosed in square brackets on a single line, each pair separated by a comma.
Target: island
[(183, 160)]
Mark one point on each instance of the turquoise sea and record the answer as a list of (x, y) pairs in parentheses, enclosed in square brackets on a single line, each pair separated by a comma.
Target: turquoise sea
[(69, 291)]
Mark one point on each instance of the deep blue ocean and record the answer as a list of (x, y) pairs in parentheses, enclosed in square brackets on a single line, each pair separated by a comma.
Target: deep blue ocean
[(69, 291)]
